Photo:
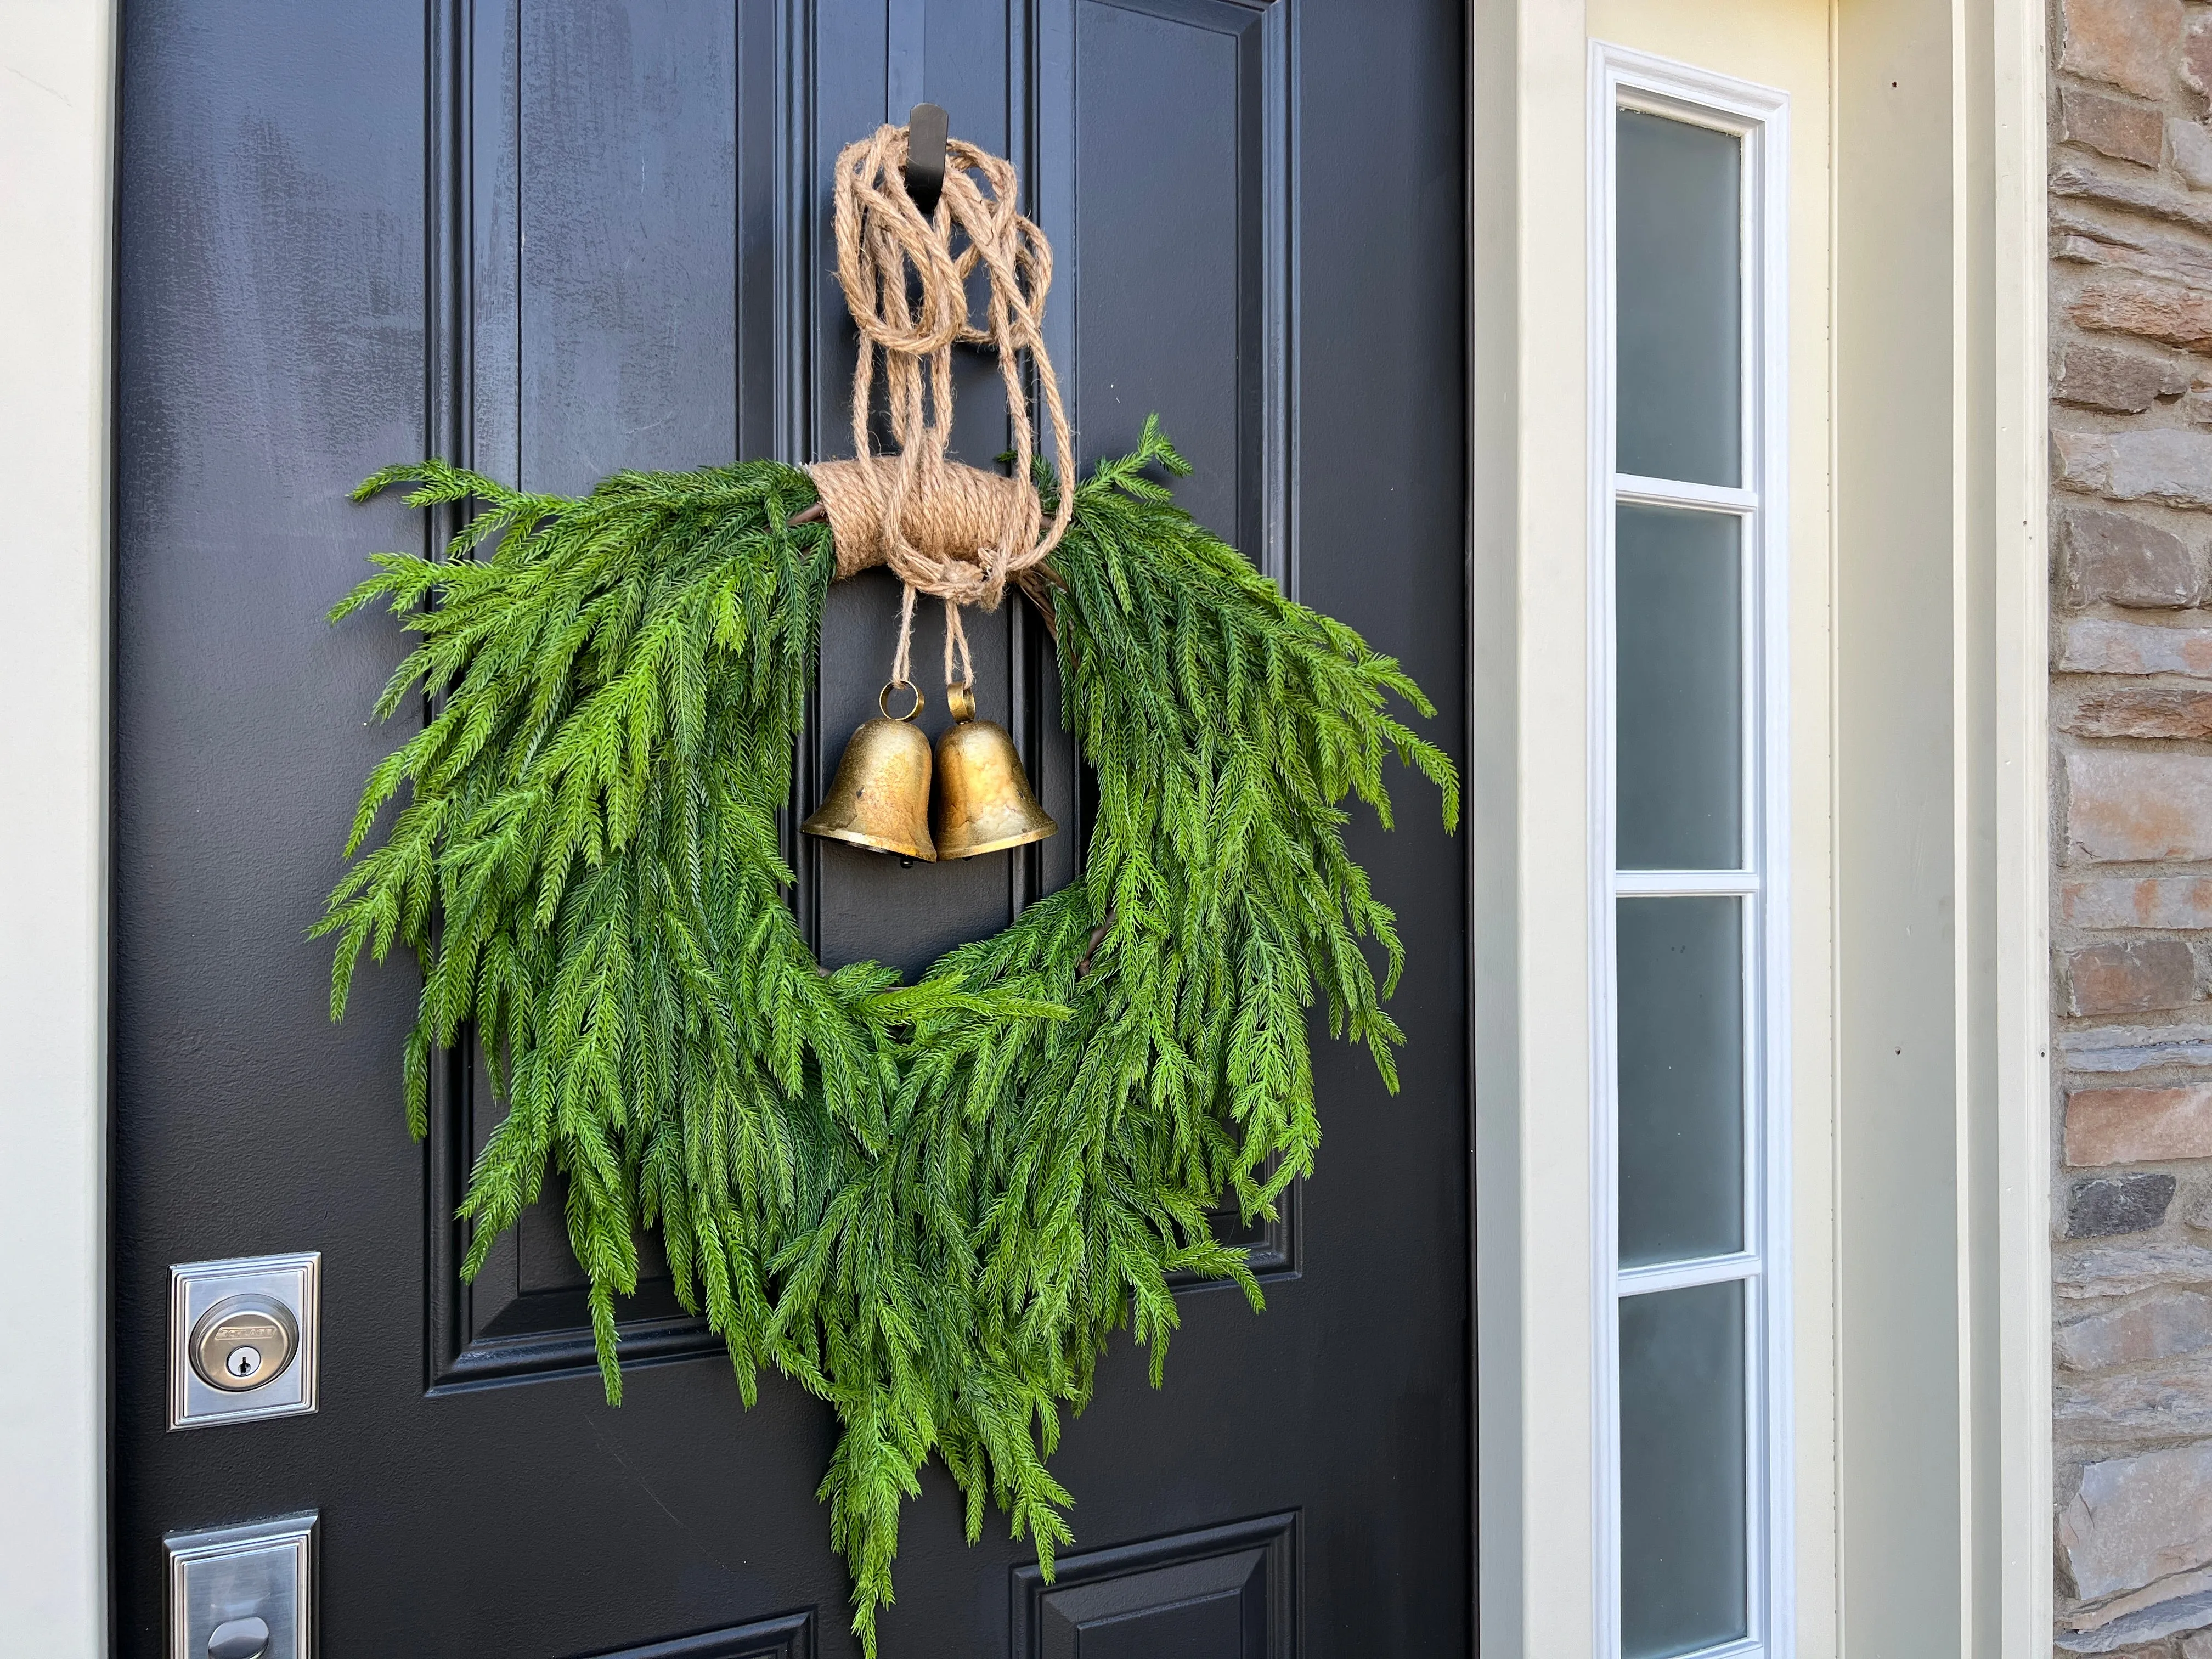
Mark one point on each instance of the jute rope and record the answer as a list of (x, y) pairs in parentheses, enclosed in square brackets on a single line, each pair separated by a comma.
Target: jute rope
[(944, 529)]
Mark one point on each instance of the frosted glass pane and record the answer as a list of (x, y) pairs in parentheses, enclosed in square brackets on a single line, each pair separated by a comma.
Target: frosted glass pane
[(1679, 732), (1680, 1058), (1684, 1554), (1679, 247)]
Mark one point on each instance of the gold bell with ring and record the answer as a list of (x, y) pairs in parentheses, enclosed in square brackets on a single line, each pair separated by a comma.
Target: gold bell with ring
[(984, 801), (879, 799)]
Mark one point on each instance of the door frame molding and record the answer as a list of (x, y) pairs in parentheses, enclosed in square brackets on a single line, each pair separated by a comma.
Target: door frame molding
[(1941, 1360), (57, 190)]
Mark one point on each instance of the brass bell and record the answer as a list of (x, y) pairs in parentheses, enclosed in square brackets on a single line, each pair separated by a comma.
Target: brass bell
[(984, 802), (880, 796)]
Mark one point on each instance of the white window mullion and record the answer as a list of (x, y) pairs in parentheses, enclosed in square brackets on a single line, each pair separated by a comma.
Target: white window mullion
[(1669, 492), (1680, 1275), (1682, 884)]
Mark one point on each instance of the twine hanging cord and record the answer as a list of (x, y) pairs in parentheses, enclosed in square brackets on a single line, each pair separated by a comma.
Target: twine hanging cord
[(943, 528)]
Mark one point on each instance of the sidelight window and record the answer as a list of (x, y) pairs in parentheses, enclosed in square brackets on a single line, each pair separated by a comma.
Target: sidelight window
[(1688, 766)]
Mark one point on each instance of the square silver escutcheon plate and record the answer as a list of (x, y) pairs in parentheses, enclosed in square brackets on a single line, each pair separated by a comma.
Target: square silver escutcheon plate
[(293, 1280), (255, 1584)]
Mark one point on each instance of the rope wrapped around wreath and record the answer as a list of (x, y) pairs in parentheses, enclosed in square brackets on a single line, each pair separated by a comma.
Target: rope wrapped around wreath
[(943, 528)]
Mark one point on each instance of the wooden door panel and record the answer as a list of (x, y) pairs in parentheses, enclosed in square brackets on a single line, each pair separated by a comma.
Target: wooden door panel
[(1220, 1592), (1164, 172), (789, 1638), (621, 265), (525, 1315), (557, 239), (629, 208), (857, 904)]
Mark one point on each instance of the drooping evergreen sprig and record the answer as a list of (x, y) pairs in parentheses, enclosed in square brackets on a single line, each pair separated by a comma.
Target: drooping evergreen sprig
[(931, 1204)]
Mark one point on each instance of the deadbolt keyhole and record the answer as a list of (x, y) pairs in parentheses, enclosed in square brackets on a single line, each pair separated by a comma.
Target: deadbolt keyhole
[(244, 1342)]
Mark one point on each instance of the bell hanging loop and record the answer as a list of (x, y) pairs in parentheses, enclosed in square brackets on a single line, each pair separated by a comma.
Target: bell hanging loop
[(984, 801), (879, 799)]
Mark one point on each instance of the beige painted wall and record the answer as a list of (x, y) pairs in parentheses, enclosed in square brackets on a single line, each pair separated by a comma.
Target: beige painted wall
[(1900, 1373)]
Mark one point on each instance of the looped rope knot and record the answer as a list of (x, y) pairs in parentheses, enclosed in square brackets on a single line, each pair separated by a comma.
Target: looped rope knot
[(944, 529)]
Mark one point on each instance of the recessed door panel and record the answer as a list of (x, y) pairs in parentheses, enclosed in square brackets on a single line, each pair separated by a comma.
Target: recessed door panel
[(791, 1637), (1169, 176), (1219, 1593)]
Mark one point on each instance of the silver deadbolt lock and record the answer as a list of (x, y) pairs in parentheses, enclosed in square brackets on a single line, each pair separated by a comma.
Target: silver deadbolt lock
[(243, 1341)]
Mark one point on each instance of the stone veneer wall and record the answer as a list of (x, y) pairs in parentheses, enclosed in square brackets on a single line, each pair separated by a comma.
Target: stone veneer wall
[(2132, 764)]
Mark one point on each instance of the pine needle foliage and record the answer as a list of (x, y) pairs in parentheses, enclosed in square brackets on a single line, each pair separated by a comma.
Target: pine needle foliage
[(930, 1205)]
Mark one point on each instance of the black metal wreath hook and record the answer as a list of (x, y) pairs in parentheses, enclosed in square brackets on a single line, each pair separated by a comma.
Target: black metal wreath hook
[(928, 129)]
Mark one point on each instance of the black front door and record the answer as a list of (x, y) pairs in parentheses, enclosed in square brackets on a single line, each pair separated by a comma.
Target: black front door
[(553, 239)]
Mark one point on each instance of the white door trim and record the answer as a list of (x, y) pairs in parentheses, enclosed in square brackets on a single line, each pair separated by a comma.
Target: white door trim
[(2018, 367), (56, 77)]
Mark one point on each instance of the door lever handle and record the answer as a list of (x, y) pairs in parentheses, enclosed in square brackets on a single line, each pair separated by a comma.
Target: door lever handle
[(243, 1592), (238, 1639)]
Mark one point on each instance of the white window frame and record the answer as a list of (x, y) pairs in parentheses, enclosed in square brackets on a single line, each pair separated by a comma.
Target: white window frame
[(1620, 78)]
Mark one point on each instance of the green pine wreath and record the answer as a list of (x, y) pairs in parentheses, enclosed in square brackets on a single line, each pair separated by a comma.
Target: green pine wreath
[(929, 1204)]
